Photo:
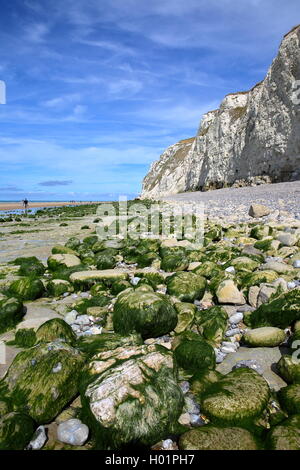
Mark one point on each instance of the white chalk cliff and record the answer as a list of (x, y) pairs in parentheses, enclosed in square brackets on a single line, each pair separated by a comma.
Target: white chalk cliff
[(254, 136)]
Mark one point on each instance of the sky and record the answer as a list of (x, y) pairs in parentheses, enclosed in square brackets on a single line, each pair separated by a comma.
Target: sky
[(98, 89)]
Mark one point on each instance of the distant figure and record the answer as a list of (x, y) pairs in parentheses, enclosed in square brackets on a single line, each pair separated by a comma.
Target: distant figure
[(25, 204)]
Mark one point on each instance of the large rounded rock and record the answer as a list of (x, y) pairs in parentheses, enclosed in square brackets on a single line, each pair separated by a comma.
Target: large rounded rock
[(239, 397), (11, 312), (54, 329), (131, 396), (289, 398), (30, 266), (212, 323), (43, 379), (58, 287), (186, 315), (267, 336), (216, 438), (289, 369), (186, 286), (62, 261), (174, 262), (16, 430), (286, 436), (228, 293), (27, 288), (147, 313), (280, 312), (193, 353)]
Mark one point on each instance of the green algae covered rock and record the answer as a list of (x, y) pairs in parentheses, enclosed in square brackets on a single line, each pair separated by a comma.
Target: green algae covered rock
[(30, 266), (260, 231), (43, 379), (239, 397), (150, 402), (106, 259), (267, 336), (193, 353), (174, 262), (218, 438), (285, 436), (153, 278), (144, 312), (259, 277), (16, 431), (186, 286), (55, 329), (95, 344), (289, 369), (119, 286), (63, 250), (58, 287), (57, 262), (280, 312), (243, 263), (289, 398), (202, 379), (208, 269), (11, 312), (212, 323), (24, 338), (73, 243), (27, 288), (186, 315)]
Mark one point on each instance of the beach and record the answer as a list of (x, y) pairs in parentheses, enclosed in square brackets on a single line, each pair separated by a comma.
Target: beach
[(7, 206)]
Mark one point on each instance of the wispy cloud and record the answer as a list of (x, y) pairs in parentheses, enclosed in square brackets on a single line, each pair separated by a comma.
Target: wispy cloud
[(55, 183)]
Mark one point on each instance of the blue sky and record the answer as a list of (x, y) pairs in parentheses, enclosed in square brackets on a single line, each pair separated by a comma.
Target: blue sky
[(97, 89)]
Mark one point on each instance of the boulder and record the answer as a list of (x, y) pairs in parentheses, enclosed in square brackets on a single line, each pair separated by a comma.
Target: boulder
[(186, 315), (228, 293), (285, 436), (217, 438), (131, 396), (193, 353), (212, 323), (280, 312), (55, 329), (62, 261), (145, 312), (259, 210), (186, 286), (58, 287), (289, 369), (16, 430), (289, 398), (43, 379), (27, 288), (239, 397), (11, 312), (267, 336)]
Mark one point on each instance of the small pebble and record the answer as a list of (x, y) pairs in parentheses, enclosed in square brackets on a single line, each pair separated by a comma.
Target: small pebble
[(230, 269), (232, 332), (196, 420), (296, 263), (236, 318), (38, 440), (73, 432), (185, 387)]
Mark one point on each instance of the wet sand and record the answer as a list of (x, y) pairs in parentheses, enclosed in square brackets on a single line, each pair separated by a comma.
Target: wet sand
[(6, 206)]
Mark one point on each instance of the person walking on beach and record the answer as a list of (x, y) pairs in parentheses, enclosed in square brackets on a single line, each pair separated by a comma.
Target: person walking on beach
[(25, 203)]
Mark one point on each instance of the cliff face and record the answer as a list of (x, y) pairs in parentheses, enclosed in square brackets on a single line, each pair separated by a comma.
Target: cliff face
[(254, 136)]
